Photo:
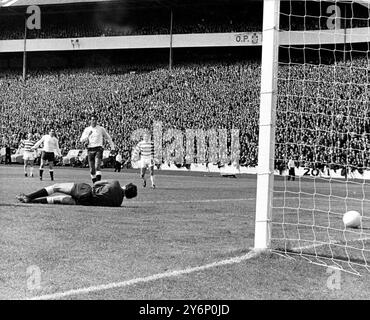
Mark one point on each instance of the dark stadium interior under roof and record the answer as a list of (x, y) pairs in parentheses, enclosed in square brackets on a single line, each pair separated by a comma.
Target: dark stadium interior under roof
[(62, 6), (132, 3), (129, 3)]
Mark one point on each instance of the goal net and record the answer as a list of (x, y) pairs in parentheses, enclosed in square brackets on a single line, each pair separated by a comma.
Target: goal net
[(322, 131)]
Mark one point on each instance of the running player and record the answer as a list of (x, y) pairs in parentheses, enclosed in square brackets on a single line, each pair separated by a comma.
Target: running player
[(145, 150), (51, 146), (102, 193), (93, 136), (28, 153)]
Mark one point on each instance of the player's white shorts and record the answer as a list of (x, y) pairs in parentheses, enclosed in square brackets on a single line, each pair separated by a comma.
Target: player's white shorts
[(27, 155), (146, 162)]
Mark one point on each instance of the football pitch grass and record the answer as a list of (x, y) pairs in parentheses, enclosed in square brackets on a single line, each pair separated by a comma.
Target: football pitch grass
[(187, 239)]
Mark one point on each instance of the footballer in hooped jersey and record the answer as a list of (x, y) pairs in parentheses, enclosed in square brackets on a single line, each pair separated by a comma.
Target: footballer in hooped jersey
[(145, 150), (28, 154)]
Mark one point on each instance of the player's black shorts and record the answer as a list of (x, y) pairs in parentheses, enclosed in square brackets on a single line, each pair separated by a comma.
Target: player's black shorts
[(48, 156), (82, 193), (96, 152)]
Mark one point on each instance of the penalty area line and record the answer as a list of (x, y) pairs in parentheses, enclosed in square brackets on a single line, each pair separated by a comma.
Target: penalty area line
[(198, 200), (154, 277), (28, 205), (194, 201), (154, 201)]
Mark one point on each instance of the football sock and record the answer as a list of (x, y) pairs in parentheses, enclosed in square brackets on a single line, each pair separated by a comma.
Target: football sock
[(98, 175), (31, 171), (40, 200), (50, 200), (41, 172), (152, 180), (51, 174), (56, 200), (38, 194)]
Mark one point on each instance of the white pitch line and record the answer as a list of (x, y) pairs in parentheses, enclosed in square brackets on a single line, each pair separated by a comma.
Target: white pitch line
[(164, 201), (190, 201), (135, 281), (193, 201), (198, 200)]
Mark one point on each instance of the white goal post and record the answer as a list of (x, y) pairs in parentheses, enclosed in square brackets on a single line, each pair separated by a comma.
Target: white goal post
[(315, 114), (266, 144)]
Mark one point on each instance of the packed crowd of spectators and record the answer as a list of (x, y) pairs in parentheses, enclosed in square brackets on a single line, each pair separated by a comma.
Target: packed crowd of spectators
[(323, 114), (85, 29)]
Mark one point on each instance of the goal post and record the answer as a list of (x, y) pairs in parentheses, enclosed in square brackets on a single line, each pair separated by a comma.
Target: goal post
[(315, 119), (266, 144)]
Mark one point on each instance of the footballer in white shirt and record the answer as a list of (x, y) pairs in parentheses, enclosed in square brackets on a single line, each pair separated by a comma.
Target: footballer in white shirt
[(50, 147), (93, 137)]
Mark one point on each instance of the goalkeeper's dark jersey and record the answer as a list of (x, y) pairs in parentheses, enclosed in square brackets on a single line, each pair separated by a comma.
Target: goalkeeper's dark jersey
[(107, 194)]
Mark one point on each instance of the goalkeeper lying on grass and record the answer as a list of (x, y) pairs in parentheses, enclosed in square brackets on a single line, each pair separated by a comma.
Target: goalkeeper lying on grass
[(102, 193)]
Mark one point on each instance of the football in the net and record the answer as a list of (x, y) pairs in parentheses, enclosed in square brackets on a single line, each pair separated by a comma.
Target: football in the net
[(352, 219)]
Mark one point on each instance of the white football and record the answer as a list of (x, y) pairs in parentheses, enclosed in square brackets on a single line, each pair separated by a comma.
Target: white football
[(352, 219)]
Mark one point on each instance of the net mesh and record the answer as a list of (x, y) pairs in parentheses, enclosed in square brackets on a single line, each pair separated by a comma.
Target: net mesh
[(323, 132)]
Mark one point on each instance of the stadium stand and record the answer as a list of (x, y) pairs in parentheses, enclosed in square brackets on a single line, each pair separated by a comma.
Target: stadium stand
[(194, 95), (213, 95)]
